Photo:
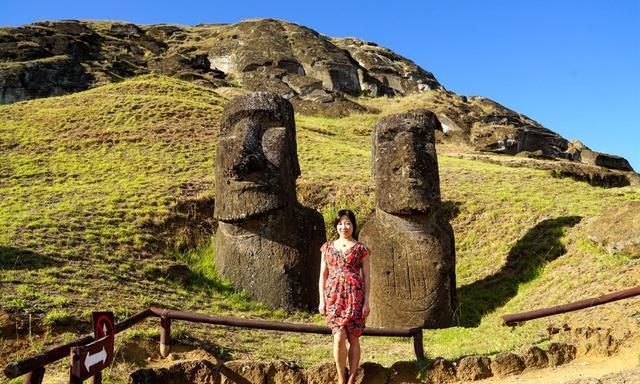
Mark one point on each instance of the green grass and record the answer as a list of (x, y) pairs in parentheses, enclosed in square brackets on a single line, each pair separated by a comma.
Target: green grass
[(56, 317), (93, 186)]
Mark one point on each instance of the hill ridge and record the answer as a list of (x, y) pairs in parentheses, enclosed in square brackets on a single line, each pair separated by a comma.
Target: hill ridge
[(318, 73)]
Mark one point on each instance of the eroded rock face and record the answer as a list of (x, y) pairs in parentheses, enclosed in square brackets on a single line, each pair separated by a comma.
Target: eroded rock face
[(534, 357), (507, 363), (262, 54), (412, 247), (404, 372), (197, 371), (312, 70), (605, 160), (56, 76), (473, 368), (266, 242), (441, 371), (560, 353), (384, 72)]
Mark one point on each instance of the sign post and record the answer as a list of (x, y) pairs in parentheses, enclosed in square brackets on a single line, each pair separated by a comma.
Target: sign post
[(89, 360)]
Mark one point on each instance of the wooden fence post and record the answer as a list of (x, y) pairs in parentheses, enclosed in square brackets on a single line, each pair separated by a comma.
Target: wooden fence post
[(165, 336), (34, 377), (417, 345)]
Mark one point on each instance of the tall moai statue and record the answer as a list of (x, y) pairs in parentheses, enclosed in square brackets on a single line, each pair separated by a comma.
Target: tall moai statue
[(266, 243), (412, 246)]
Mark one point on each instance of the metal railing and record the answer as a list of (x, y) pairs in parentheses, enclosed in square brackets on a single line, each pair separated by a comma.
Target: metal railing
[(515, 318), (34, 367)]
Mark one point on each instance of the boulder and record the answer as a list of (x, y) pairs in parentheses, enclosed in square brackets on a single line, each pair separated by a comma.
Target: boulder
[(372, 373), (473, 368), (507, 363), (254, 81), (244, 371), (390, 70), (534, 357), (404, 372), (595, 341), (605, 160), (560, 353), (321, 374), (574, 150), (285, 372), (302, 85), (127, 30), (325, 103), (441, 371), (197, 372)]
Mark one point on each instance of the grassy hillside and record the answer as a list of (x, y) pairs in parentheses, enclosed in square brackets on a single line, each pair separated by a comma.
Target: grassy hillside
[(101, 189)]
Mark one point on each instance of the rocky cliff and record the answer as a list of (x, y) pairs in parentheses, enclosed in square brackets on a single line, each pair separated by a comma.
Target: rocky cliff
[(316, 73)]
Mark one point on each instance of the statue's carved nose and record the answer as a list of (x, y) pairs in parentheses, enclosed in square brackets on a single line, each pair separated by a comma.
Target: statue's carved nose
[(246, 164)]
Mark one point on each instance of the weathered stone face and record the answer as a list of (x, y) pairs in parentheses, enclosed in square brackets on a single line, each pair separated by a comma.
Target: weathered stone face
[(266, 243), (412, 270), (413, 280), (256, 160), (405, 166)]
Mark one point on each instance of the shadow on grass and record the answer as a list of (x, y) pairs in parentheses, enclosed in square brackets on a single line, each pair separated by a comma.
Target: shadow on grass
[(200, 262), (527, 257), (14, 258), (202, 281), (450, 209)]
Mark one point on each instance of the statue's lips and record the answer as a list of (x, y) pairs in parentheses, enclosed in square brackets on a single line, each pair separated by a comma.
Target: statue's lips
[(240, 186)]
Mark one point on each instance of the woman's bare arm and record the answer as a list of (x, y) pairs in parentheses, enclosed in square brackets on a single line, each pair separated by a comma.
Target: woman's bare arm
[(324, 274), (366, 276)]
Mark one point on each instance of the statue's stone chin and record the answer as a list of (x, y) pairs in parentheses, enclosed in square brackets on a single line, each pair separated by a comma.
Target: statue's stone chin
[(250, 200)]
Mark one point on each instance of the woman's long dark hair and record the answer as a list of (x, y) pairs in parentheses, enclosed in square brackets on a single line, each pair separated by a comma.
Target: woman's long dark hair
[(352, 218)]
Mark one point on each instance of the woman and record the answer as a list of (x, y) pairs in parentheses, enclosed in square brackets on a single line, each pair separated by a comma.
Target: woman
[(344, 293)]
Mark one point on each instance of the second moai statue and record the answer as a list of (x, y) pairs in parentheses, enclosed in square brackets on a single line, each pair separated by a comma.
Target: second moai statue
[(412, 246), (266, 243)]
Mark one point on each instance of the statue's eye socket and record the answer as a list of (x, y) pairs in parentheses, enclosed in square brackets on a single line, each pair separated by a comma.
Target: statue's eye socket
[(274, 145)]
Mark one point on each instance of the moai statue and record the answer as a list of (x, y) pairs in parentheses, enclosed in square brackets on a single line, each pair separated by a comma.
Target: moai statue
[(266, 242), (412, 246)]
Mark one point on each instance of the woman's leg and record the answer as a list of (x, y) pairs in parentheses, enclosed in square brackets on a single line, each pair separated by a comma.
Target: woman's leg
[(340, 353), (354, 357)]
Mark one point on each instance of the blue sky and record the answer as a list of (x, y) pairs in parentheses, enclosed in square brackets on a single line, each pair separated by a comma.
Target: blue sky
[(573, 66)]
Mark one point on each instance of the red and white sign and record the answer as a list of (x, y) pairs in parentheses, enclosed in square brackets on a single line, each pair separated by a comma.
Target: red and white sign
[(88, 360)]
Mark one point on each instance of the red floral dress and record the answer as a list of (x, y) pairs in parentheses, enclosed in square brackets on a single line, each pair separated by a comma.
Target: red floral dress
[(344, 288)]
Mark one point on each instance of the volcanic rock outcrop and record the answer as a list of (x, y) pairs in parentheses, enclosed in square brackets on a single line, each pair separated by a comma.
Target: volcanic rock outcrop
[(313, 71), (266, 243), (412, 246)]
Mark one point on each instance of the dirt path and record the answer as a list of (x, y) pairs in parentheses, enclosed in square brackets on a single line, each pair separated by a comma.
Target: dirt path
[(581, 368)]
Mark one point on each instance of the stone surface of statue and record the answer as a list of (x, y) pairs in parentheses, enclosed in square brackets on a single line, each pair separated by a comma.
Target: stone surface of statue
[(266, 243), (412, 245)]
